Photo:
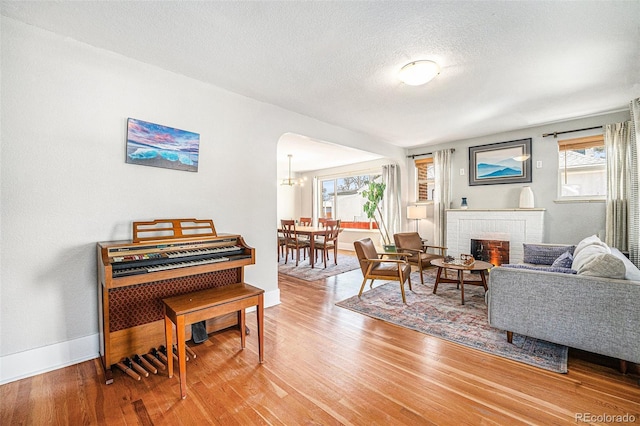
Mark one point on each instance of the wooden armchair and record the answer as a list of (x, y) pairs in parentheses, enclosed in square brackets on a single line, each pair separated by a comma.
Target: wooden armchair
[(374, 267), (418, 253)]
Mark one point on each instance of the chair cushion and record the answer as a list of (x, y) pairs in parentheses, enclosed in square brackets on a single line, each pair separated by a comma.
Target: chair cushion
[(368, 250), (390, 269), (408, 240), (365, 250)]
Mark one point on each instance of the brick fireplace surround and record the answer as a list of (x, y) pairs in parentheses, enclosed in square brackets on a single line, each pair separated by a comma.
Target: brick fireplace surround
[(517, 226)]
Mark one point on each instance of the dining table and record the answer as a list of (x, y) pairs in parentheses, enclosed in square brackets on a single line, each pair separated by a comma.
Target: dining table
[(312, 232)]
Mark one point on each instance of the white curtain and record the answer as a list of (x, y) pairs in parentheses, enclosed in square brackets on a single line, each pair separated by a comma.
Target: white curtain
[(391, 200), (634, 173), (617, 144), (442, 194)]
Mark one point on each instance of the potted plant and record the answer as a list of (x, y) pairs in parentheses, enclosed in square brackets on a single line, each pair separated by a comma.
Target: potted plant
[(374, 195)]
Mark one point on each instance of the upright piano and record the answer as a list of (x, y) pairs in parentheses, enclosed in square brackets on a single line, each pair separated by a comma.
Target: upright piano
[(166, 257)]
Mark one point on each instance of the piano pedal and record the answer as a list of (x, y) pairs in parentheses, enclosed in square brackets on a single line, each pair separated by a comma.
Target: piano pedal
[(161, 354), (136, 367), (144, 363), (191, 353), (163, 351), (175, 353), (153, 357), (125, 369)]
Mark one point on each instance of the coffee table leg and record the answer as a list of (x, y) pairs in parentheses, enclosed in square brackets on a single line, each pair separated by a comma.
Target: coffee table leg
[(484, 280), (461, 280), (435, 286)]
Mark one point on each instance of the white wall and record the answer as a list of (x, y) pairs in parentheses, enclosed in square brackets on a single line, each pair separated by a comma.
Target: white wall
[(65, 184), (564, 222)]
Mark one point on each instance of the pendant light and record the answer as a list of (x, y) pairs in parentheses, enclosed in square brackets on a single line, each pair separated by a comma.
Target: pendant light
[(289, 181)]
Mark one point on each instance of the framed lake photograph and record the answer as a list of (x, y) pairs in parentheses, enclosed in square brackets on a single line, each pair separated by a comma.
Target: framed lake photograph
[(502, 162), (150, 144)]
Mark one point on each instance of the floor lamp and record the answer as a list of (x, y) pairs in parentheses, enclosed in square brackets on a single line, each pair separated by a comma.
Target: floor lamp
[(417, 213)]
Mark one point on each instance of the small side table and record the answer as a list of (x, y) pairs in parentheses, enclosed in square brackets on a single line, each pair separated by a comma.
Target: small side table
[(479, 266)]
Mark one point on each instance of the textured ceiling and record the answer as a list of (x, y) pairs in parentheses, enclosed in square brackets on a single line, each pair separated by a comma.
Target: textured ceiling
[(505, 65)]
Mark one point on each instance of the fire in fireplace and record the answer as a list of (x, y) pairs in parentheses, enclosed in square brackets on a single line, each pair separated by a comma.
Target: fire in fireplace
[(495, 252)]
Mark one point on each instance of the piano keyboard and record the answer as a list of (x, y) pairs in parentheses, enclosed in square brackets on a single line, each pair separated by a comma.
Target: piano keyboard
[(185, 264), (166, 266), (176, 254), (214, 250)]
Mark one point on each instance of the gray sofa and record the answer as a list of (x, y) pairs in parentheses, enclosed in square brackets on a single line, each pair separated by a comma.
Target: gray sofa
[(594, 313)]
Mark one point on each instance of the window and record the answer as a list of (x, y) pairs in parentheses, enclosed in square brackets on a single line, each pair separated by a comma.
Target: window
[(342, 199), (425, 179), (583, 168)]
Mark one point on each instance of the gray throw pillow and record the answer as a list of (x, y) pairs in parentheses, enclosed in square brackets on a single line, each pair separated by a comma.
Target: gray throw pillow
[(565, 260), (544, 254), (603, 265)]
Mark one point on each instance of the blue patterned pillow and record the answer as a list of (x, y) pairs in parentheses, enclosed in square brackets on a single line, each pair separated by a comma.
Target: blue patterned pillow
[(565, 260), (544, 254), (540, 268)]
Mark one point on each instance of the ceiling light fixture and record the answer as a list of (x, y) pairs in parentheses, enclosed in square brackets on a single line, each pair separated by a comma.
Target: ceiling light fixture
[(417, 73), (290, 181)]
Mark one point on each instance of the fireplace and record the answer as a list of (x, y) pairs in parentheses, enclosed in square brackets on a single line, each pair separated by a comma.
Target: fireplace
[(495, 252), (518, 226)]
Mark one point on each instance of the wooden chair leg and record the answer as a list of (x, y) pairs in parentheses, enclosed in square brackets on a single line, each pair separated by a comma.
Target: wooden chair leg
[(364, 281)]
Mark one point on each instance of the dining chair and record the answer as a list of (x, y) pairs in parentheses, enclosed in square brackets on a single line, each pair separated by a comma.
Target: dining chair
[(375, 266), (292, 242), (305, 221), (281, 245), (417, 252), (329, 241)]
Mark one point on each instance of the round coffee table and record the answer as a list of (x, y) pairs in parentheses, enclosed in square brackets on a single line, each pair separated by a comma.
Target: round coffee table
[(479, 266)]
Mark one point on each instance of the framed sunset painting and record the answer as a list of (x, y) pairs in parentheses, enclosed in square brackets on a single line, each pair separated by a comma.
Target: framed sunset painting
[(502, 162), (150, 144)]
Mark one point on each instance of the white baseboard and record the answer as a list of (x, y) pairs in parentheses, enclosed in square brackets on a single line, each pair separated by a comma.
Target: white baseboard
[(48, 358)]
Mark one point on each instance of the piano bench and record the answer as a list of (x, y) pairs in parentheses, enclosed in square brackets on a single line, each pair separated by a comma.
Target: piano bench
[(189, 308)]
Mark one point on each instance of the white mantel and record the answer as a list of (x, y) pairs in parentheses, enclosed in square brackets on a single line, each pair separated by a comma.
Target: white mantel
[(517, 226)]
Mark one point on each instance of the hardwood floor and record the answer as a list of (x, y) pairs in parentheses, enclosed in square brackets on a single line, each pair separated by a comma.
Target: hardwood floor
[(327, 365)]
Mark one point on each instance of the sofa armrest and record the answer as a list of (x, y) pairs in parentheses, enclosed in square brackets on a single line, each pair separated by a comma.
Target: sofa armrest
[(594, 314)]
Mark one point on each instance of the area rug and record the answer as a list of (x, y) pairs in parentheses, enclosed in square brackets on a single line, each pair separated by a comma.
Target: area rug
[(303, 271), (442, 315)]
